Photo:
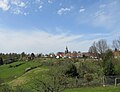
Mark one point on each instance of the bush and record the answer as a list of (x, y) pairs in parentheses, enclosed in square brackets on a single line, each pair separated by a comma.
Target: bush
[(1, 61), (21, 89), (1, 81), (30, 68), (6, 88), (108, 66), (13, 66), (88, 77), (71, 70)]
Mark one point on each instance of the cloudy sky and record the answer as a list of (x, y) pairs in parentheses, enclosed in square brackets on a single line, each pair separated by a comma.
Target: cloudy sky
[(44, 26)]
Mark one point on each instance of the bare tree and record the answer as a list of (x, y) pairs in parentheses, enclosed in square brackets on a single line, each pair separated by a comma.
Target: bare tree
[(93, 49), (116, 44), (99, 48)]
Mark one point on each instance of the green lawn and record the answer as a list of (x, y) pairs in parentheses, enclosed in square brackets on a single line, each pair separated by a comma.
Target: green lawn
[(94, 89)]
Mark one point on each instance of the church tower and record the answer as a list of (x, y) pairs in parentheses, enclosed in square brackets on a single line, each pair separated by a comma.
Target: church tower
[(66, 51)]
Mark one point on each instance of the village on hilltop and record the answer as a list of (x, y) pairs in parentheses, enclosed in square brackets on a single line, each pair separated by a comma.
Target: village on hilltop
[(75, 54)]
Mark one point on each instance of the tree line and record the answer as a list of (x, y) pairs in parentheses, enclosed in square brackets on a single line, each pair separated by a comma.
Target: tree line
[(100, 47)]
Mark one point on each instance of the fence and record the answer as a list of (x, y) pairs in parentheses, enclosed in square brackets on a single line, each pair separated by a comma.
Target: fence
[(111, 80)]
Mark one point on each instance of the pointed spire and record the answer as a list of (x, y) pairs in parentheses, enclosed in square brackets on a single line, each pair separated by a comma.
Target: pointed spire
[(66, 51), (116, 49)]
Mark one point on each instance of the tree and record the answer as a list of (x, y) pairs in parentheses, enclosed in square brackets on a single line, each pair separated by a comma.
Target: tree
[(116, 44), (23, 54), (93, 48), (108, 66), (32, 56), (82, 69), (1, 61), (99, 48), (71, 71), (55, 81)]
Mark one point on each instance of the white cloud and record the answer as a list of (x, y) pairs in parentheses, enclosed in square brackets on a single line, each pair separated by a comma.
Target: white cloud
[(17, 11), (39, 1), (41, 41), (82, 10), (40, 6), (102, 15), (18, 7), (63, 11), (25, 13), (102, 6), (18, 3), (102, 19), (4, 5), (50, 1), (13, 6), (34, 41), (22, 4)]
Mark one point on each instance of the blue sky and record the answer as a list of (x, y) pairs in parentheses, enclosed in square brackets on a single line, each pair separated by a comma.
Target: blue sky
[(50, 25)]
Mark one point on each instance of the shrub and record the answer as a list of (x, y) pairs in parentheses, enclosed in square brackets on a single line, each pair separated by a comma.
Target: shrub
[(1, 61), (88, 77), (6, 88), (71, 70)]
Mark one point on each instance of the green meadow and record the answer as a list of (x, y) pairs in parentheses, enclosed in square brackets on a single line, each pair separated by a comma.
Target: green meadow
[(16, 74)]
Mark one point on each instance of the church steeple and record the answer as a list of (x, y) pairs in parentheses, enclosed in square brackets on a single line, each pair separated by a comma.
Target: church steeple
[(116, 49), (66, 51)]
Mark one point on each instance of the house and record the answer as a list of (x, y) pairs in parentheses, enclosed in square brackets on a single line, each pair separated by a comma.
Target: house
[(90, 55), (93, 55), (51, 55), (74, 54), (116, 53), (60, 55), (68, 55), (85, 54)]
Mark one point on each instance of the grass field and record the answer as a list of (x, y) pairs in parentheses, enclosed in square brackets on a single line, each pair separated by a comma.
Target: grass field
[(26, 78), (94, 89), (8, 73)]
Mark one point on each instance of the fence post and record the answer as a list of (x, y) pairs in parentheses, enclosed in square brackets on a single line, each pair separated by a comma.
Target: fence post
[(103, 81), (115, 82)]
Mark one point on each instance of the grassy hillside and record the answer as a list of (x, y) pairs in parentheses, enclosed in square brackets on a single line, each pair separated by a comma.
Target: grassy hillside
[(46, 70), (25, 78), (14, 70)]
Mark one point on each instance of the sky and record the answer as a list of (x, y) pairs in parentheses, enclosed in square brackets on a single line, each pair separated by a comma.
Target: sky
[(45, 26)]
